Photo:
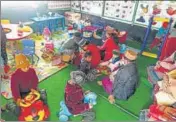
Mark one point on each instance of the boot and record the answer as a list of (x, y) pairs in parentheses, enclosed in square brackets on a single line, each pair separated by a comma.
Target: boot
[(43, 95)]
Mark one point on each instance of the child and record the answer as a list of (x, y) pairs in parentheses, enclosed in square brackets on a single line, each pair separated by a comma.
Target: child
[(74, 97), (167, 94), (161, 32), (109, 45), (112, 62), (125, 76), (95, 52), (71, 47), (23, 79), (85, 65)]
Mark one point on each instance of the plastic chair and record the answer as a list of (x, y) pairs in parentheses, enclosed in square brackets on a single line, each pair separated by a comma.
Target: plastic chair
[(29, 48), (5, 21)]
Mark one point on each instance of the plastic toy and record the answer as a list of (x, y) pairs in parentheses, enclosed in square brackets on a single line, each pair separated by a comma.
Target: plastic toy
[(152, 19), (64, 113), (33, 109), (90, 98), (149, 54), (46, 34), (123, 48)]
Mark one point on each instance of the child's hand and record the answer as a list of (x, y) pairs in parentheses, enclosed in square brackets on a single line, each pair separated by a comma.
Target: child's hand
[(111, 99), (86, 92), (90, 106)]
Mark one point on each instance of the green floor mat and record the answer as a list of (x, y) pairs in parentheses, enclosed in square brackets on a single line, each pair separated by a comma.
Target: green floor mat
[(55, 86)]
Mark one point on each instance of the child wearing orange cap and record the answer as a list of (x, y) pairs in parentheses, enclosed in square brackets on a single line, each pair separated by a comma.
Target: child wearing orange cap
[(24, 79), (161, 32)]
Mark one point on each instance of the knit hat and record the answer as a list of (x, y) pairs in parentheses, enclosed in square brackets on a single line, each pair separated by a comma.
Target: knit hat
[(131, 55), (82, 42), (115, 52), (21, 61), (77, 77)]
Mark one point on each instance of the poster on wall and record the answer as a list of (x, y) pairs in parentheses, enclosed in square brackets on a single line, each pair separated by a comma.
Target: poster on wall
[(92, 7), (58, 4), (122, 10), (163, 9), (76, 5)]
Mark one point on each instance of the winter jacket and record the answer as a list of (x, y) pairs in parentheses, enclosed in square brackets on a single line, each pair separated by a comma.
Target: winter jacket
[(108, 47), (72, 44), (74, 96), (126, 81)]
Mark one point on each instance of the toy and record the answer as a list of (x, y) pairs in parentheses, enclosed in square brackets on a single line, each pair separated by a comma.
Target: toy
[(33, 109), (47, 54), (46, 34), (148, 31), (90, 98), (123, 48), (49, 45), (64, 112)]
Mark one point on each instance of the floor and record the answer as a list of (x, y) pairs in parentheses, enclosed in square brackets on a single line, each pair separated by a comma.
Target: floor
[(55, 85)]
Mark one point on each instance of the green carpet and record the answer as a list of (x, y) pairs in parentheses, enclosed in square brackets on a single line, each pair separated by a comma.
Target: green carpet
[(104, 110), (56, 83)]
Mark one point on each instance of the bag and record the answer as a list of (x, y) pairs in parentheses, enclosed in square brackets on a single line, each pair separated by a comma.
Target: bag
[(49, 45), (56, 60), (47, 54)]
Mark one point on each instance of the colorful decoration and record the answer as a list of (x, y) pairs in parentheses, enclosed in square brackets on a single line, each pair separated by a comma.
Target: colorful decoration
[(92, 7), (33, 109), (161, 9), (46, 34), (120, 9)]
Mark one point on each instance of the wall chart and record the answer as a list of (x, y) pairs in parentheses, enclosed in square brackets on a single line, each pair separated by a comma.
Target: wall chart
[(58, 4), (92, 7), (146, 9), (122, 10), (76, 5)]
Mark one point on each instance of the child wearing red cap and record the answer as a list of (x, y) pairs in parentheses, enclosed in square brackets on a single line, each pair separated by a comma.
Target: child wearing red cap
[(161, 32)]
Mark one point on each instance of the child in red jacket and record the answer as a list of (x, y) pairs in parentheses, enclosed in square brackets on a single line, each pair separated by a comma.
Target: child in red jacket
[(110, 44)]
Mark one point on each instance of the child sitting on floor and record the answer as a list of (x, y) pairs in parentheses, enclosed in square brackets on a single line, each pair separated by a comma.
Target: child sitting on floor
[(74, 99), (112, 62), (85, 67)]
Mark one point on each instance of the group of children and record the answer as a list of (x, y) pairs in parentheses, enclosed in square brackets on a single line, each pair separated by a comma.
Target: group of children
[(88, 57), (121, 82)]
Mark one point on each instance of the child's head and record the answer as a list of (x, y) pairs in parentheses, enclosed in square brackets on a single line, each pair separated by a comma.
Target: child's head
[(83, 43), (22, 62), (77, 77), (88, 56), (77, 34)]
